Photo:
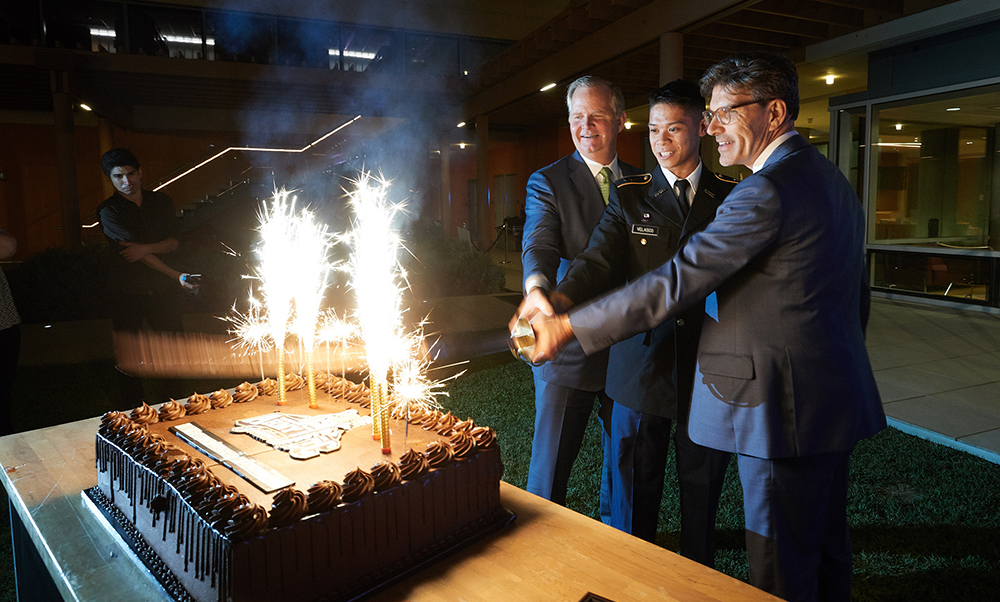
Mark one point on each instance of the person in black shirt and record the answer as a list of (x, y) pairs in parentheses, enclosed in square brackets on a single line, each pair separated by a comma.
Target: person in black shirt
[(138, 225)]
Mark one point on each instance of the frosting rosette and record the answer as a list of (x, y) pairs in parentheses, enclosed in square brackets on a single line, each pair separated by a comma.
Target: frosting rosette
[(430, 420), (357, 484), (197, 404), (289, 505), (245, 392), (463, 444), (171, 410), (485, 437), (224, 509), (439, 453), (217, 492), (324, 495), (386, 475), (220, 399), (446, 424), (413, 464), (144, 414), (463, 426), (294, 382), (247, 520), (268, 386), (114, 424)]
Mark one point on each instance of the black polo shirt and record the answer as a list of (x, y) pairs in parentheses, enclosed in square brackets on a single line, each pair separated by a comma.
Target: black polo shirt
[(124, 221)]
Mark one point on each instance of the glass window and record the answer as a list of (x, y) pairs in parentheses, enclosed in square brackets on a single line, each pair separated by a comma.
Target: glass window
[(94, 26), (374, 50), (431, 55), (242, 37), (165, 32), (957, 277), (934, 166)]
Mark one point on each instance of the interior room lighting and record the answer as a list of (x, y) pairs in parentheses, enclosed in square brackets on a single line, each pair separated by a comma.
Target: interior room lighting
[(628, 125), (85, 107), (899, 126), (954, 109), (461, 125), (829, 79), (548, 87), (461, 145)]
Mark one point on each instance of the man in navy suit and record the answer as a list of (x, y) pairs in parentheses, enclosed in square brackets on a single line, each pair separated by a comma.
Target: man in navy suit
[(564, 202), (650, 374), (783, 377)]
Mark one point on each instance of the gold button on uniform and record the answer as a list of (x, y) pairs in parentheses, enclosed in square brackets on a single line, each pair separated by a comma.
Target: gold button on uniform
[(680, 322), (642, 241)]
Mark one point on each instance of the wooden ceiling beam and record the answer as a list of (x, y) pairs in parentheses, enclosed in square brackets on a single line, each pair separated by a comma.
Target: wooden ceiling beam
[(747, 35), (810, 10), (778, 24)]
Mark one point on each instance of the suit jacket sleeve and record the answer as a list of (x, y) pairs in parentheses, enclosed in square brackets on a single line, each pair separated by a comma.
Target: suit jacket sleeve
[(603, 265), (747, 224), (542, 230)]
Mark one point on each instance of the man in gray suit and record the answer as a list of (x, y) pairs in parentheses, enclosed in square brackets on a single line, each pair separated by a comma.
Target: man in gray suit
[(783, 377), (564, 202)]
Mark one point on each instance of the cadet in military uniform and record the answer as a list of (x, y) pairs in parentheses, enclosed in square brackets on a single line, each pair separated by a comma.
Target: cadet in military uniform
[(650, 375)]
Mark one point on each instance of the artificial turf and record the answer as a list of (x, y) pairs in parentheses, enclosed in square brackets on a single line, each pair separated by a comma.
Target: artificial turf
[(925, 519)]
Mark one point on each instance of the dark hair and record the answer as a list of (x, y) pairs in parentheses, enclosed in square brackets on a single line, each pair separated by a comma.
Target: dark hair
[(679, 93), (118, 157), (762, 75), (592, 81)]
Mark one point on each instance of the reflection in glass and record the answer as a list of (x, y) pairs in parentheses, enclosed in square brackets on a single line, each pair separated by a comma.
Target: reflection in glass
[(958, 277)]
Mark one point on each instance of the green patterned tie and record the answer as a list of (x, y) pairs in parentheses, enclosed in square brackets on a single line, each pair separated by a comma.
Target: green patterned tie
[(606, 177)]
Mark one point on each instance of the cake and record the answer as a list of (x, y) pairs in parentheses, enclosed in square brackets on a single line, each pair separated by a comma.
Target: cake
[(333, 526)]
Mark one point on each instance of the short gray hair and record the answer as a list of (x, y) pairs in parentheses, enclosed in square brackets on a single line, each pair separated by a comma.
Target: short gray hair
[(762, 75), (592, 81)]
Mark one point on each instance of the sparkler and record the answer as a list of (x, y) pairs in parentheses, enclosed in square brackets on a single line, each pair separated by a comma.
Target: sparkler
[(250, 330), (277, 274), (375, 280), (339, 331), (311, 244)]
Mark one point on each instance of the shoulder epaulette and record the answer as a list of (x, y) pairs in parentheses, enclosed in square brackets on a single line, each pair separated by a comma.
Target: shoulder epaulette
[(643, 178), (726, 178)]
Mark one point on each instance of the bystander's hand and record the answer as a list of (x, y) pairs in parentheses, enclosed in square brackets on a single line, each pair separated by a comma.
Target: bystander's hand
[(134, 251), (552, 333)]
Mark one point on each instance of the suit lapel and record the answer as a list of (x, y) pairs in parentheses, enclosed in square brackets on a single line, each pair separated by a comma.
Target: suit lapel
[(584, 181), (663, 200), (706, 201)]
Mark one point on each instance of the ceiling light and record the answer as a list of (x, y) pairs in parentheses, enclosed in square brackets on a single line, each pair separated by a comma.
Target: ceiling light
[(899, 126), (547, 87), (829, 80), (954, 109), (85, 107), (461, 145), (628, 125), (461, 125)]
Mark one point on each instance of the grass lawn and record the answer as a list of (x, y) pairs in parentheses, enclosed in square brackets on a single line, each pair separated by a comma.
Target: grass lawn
[(925, 519)]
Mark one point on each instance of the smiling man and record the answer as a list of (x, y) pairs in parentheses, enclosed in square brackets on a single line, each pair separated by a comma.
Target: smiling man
[(783, 377), (564, 202), (650, 374)]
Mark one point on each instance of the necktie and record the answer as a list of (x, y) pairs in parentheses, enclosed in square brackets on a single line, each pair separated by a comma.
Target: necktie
[(606, 176), (682, 194)]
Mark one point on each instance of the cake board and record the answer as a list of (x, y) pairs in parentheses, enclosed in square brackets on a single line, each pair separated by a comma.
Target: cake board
[(116, 521)]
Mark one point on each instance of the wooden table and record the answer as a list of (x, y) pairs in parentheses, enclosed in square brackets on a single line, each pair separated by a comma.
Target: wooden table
[(549, 553)]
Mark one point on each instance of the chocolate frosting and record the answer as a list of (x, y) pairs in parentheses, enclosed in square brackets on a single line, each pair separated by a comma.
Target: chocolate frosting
[(224, 509), (485, 437), (464, 426), (413, 464), (463, 444), (324, 495), (289, 506), (197, 404), (294, 382), (171, 410), (268, 386), (220, 399), (247, 520), (430, 420), (216, 493), (357, 484), (446, 424), (114, 424), (144, 414), (439, 453), (245, 392), (386, 475)]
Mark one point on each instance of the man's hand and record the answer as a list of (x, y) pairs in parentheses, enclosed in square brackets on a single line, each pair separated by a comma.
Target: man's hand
[(552, 333), (534, 303), (134, 251)]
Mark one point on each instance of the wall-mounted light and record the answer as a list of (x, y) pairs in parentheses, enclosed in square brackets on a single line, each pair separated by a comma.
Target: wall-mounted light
[(829, 79), (461, 125), (954, 109), (899, 126), (547, 87), (628, 125), (461, 145), (85, 107)]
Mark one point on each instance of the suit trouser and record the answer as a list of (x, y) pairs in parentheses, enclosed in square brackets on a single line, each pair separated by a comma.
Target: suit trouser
[(561, 417), (798, 541), (639, 446)]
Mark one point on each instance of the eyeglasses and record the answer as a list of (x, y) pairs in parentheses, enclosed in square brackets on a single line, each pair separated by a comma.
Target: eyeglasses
[(725, 114)]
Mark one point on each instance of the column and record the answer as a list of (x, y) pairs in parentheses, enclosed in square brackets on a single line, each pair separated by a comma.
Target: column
[(479, 219), (106, 142), (66, 159), (671, 57)]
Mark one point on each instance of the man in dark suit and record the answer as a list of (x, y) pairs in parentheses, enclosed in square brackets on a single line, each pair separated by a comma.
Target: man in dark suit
[(783, 377), (564, 202), (650, 374)]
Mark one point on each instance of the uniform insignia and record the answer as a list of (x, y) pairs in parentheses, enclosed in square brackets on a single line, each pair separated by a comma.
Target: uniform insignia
[(710, 193), (646, 217), (643, 178), (645, 230), (726, 178)]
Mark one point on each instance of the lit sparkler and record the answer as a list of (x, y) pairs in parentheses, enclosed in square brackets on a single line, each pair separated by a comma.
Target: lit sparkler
[(311, 244), (277, 274), (375, 280), (250, 331)]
